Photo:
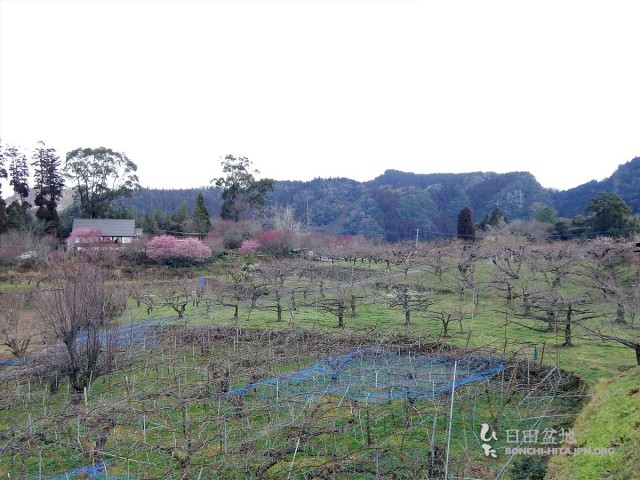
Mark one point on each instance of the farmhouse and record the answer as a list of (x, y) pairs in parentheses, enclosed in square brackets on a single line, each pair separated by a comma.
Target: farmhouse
[(106, 229)]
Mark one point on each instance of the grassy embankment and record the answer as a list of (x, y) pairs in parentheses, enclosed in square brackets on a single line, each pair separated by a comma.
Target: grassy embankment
[(610, 420)]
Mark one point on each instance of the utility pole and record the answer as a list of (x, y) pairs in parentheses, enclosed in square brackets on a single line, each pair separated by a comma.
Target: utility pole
[(307, 195)]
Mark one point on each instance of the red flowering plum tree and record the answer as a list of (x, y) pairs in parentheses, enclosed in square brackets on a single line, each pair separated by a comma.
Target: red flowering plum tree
[(278, 243)]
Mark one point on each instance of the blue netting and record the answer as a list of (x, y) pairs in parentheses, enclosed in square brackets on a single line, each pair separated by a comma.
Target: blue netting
[(134, 334), (138, 333), (96, 472), (12, 363), (374, 375)]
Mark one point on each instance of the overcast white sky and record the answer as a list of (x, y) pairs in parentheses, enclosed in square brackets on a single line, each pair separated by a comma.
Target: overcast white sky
[(331, 88)]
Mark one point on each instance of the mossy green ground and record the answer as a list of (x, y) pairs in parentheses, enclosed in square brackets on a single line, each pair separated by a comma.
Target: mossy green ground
[(610, 420), (158, 416), (165, 385), (588, 358)]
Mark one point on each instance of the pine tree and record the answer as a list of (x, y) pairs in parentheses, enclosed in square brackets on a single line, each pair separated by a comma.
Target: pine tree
[(15, 217), (150, 224), (179, 217), (48, 185), (201, 221), (155, 223), (4, 221), (466, 229), (496, 219)]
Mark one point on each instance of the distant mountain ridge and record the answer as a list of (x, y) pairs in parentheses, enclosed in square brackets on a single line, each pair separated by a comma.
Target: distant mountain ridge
[(625, 181), (396, 204)]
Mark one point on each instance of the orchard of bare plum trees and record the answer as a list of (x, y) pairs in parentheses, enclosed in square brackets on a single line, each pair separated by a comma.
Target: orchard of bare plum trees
[(94, 323), (578, 290)]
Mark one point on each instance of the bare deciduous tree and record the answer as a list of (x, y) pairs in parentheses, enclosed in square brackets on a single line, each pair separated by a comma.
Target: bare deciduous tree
[(18, 326), (439, 258), (629, 338), (464, 280), (448, 313), (79, 310), (282, 218), (336, 305), (507, 261), (411, 297), (625, 333), (607, 270), (403, 256), (176, 295)]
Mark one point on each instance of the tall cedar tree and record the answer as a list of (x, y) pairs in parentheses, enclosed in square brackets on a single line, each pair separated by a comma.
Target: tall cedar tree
[(48, 185), (100, 176), (4, 224), (242, 194), (201, 221), (19, 171), (466, 228)]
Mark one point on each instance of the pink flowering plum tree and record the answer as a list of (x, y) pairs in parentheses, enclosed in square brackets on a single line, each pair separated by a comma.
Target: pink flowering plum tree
[(166, 248), (193, 249), (249, 246), (84, 237), (162, 248)]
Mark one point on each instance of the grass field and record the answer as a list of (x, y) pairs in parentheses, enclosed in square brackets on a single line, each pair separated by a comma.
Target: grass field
[(165, 411), (162, 414)]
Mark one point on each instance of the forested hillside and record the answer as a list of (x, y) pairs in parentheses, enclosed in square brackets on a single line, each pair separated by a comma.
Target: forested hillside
[(513, 193), (148, 200), (625, 181), (396, 204)]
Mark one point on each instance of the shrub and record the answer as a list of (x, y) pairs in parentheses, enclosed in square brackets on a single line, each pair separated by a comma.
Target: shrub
[(16, 247), (278, 242), (527, 468), (234, 233), (216, 243)]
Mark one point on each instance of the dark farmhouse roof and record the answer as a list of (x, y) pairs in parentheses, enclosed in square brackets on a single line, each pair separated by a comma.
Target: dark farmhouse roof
[(108, 227)]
